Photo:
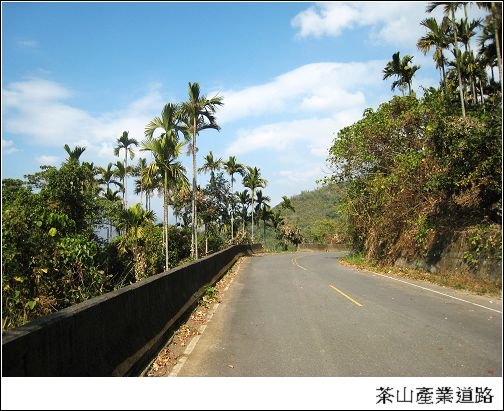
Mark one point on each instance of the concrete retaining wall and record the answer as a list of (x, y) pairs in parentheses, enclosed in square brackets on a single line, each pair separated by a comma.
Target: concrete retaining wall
[(115, 334), (323, 247), (449, 258)]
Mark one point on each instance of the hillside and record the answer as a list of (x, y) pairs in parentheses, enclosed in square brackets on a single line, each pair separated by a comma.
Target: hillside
[(315, 213)]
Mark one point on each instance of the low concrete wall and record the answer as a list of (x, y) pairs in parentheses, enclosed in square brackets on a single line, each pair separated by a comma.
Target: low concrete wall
[(115, 334), (449, 258), (323, 247)]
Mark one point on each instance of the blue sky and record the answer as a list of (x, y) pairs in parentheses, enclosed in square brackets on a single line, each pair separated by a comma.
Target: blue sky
[(291, 75)]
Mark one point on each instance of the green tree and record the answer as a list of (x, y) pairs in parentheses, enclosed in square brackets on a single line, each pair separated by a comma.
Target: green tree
[(197, 114), (449, 9), (137, 172), (107, 178), (121, 171), (125, 143), (493, 23), (286, 204), (165, 150), (245, 201), (403, 71), (133, 222), (253, 181), (74, 155), (261, 209), (211, 165), (436, 38), (232, 167), (414, 171)]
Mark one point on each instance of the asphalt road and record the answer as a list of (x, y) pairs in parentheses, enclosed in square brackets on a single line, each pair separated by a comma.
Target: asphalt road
[(303, 314)]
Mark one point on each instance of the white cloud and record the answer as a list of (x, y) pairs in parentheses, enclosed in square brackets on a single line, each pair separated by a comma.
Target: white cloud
[(39, 110), (325, 19), (394, 23), (318, 87), (8, 147), (44, 160), (390, 22), (311, 136)]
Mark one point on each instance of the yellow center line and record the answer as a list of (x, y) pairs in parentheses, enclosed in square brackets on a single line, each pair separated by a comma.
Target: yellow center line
[(344, 295), (294, 261)]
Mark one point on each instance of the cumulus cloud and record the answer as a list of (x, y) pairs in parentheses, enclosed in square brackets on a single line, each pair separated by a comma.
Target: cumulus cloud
[(313, 88), (390, 22), (312, 135), (40, 110), (45, 160), (8, 147)]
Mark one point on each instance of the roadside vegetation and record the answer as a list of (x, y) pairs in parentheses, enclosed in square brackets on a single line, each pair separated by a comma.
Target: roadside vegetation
[(406, 178), (69, 233), (418, 171)]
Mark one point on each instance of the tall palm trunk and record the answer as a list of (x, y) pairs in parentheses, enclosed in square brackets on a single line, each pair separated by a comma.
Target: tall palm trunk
[(497, 42), (194, 211), (232, 211), (457, 59), (167, 264), (125, 198), (481, 95), (206, 240), (444, 74), (253, 193)]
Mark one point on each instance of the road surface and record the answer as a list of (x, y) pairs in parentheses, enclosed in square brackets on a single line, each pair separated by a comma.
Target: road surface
[(303, 314)]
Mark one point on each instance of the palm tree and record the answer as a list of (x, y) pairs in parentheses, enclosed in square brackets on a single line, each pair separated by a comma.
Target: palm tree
[(122, 172), (245, 200), (211, 165), (253, 181), (481, 77), (137, 172), (487, 48), (124, 142), (437, 38), (467, 30), (74, 155), (286, 204), (197, 114), (402, 69), (494, 21), (165, 150), (131, 221), (449, 8), (261, 209), (266, 215), (107, 178), (276, 219), (470, 67), (112, 195), (232, 167)]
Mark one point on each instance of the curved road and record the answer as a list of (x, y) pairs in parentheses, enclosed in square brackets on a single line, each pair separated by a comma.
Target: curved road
[(303, 314)]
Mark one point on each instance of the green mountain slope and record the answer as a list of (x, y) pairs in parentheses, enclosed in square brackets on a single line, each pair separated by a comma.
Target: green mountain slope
[(316, 213)]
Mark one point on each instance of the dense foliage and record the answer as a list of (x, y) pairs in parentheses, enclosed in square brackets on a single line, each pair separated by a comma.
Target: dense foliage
[(415, 171), (69, 234), (316, 215)]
